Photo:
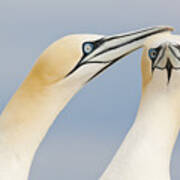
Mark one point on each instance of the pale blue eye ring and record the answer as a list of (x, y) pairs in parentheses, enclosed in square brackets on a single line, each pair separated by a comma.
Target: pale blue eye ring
[(88, 47), (153, 53)]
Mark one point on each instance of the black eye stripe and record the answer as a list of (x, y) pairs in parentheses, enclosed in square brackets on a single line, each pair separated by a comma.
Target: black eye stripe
[(157, 51), (96, 44)]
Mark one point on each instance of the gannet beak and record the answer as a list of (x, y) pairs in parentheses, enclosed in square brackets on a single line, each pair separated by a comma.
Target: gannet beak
[(109, 49)]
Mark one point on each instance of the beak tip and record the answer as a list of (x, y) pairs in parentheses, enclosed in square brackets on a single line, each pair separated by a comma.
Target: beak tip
[(167, 28)]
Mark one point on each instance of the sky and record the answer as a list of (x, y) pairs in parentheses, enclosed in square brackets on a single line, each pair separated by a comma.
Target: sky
[(88, 132)]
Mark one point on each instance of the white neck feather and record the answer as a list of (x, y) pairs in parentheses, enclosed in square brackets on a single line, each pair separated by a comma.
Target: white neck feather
[(24, 123), (146, 151)]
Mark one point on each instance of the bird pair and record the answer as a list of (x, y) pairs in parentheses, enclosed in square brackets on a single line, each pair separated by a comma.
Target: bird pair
[(69, 64)]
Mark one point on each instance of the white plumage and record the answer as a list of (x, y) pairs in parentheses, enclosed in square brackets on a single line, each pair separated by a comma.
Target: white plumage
[(146, 151), (60, 72)]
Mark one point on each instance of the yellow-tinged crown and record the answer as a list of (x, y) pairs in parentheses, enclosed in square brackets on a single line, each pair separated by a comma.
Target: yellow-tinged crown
[(59, 59)]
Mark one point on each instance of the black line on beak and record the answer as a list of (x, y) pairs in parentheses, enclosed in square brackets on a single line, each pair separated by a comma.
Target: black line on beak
[(172, 51), (128, 42), (103, 40), (111, 63), (128, 34), (169, 67)]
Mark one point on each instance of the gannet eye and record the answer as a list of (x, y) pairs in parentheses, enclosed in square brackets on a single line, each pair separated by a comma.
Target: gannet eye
[(153, 54), (88, 47)]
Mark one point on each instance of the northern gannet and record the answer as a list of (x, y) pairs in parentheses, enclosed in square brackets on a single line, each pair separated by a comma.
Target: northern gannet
[(62, 70), (146, 151)]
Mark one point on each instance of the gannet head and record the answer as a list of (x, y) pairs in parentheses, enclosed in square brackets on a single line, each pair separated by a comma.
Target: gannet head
[(161, 60), (80, 58)]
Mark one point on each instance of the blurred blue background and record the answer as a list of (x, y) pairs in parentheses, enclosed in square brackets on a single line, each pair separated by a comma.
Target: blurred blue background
[(85, 136)]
